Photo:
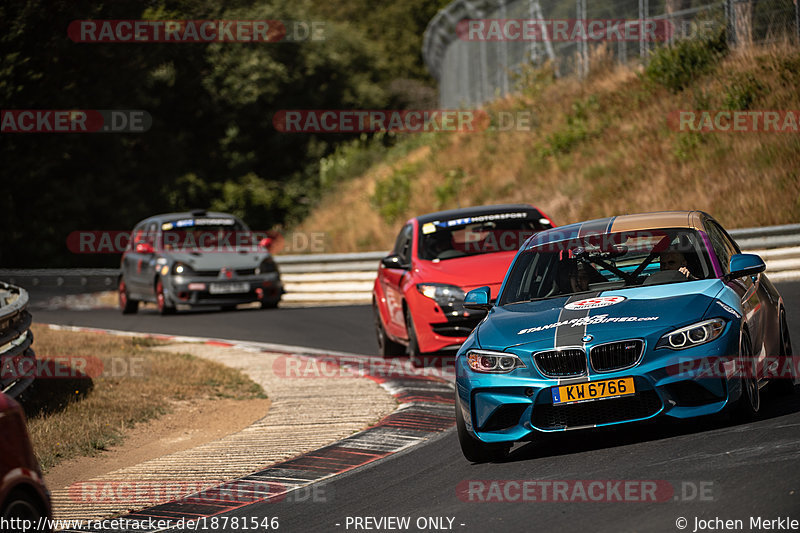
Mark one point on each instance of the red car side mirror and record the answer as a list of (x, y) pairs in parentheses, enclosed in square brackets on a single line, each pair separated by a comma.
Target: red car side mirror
[(266, 243)]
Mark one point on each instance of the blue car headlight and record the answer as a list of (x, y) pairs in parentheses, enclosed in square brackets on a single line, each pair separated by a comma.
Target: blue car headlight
[(444, 295), (694, 335), (493, 362)]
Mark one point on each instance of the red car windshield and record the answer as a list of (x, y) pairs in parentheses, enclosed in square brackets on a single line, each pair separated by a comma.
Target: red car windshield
[(476, 235)]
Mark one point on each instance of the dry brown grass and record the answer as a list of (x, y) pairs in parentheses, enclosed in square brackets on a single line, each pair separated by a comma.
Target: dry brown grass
[(629, 160), (84, 414)]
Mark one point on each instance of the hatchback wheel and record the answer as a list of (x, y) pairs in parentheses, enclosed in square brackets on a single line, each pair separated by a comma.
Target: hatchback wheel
[(165, 307), (126, 304)]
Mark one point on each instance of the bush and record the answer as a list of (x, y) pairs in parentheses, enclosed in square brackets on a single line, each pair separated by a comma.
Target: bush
[(676, 66), (353, 158), (392, 194), (742, 92)]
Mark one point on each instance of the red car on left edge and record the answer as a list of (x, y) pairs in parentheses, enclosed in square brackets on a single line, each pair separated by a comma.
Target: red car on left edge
[(23, 495), (418, 294)]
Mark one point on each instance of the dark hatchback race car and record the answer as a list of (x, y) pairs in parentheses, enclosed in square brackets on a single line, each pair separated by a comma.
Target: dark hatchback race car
[(419, 291), (197, 259), (620, 320)]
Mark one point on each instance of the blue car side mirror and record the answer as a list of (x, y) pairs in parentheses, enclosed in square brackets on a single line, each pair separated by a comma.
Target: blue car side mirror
[(745, 265), (478, 299)]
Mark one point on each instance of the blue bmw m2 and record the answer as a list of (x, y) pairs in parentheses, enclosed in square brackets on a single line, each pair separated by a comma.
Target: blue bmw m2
[(620, 320)]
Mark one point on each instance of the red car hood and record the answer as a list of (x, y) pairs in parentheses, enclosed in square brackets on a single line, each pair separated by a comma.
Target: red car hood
[(466, 272)]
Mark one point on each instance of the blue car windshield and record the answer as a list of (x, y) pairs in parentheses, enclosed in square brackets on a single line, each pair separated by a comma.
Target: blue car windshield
[(607, 262)]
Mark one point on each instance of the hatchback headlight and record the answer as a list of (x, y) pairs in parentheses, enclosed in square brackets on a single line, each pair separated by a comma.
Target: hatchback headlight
[(444, 295), (493, 362), (694, 335), (182, 269)]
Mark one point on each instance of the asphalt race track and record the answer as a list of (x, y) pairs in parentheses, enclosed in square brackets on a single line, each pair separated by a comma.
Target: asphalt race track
[(703, 469), (346, 329)]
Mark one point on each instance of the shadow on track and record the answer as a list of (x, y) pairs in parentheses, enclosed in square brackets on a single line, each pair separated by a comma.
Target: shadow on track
[(579, 441)]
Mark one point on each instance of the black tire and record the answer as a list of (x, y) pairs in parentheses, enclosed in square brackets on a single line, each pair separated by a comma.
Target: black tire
[(22, 505), (785, 385), (412, 349), (386, 346), (229, 307), (165, 307), (127, 305), (474, 450), (269, 304), (749, 404)]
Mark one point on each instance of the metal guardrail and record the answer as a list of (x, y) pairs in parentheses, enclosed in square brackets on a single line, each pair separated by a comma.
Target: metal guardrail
[(340, 278), (767, 237), (17, 359)]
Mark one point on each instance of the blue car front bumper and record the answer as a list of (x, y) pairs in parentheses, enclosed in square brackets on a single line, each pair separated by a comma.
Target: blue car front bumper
[(678, 383)]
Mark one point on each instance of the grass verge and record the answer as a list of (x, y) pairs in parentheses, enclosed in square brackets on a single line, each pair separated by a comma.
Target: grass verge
[(106, 385)]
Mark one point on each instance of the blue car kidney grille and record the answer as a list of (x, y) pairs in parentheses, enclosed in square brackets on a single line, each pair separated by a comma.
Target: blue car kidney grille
[(559, 363), (616, 355)]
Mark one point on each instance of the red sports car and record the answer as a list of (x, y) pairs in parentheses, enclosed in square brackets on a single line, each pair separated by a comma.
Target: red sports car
[(418, 294), (23, 495)]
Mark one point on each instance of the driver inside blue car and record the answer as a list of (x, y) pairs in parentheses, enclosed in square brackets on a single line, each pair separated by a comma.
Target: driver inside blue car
[(674, 260)]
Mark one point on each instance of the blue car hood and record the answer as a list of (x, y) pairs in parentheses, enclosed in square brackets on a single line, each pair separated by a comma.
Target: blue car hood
[(644, 310)]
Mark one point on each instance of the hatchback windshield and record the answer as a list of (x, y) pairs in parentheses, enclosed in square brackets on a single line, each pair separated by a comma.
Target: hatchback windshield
[(606, 262), (205, 234)]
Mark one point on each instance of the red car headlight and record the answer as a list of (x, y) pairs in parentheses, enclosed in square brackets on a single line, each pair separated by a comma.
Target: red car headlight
[(444, 295)]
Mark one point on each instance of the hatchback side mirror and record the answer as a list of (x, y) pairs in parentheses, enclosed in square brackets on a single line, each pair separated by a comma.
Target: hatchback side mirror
[(144, 248), (478, 299)]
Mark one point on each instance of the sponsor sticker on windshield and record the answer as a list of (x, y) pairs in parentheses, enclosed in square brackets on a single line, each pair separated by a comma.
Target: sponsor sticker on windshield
[(189, 222), (482, 218), (594, 303)]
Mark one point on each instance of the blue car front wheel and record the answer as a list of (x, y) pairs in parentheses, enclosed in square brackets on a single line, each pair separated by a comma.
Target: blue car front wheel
[(749, 403), (474, 450)]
